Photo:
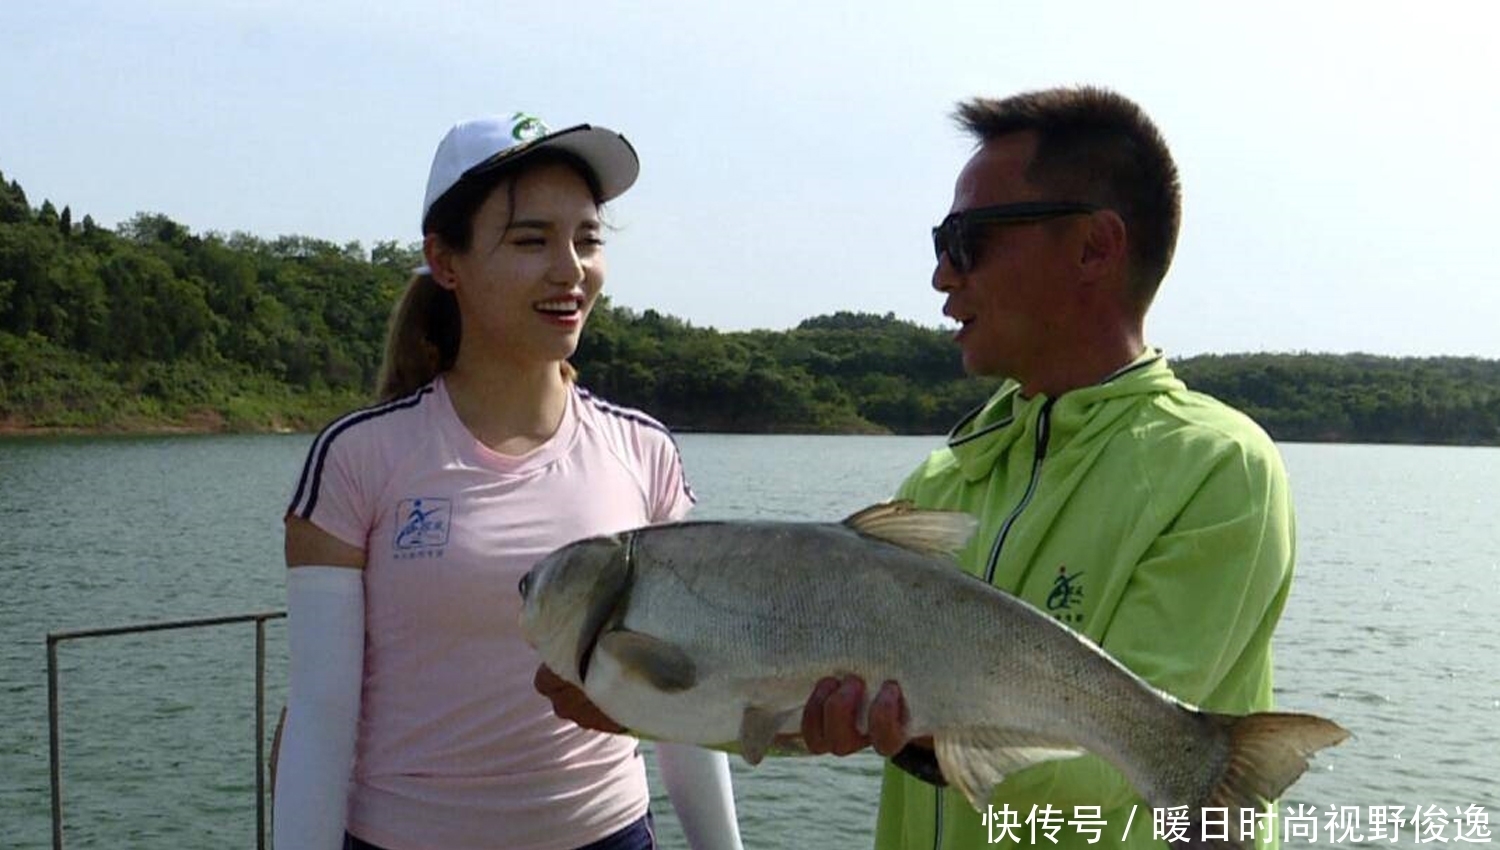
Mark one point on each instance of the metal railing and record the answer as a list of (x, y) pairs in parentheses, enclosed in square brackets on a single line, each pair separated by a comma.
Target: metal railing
[(53, 724)]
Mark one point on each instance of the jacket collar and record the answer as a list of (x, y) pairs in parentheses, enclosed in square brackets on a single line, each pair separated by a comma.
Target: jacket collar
[(979, 438)]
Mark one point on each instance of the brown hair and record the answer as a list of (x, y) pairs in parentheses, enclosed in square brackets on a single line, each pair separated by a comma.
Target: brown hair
[(425, 328), (1096, 146)]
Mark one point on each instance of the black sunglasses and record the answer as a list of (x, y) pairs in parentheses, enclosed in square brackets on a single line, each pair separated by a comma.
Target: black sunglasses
[(955, 236)]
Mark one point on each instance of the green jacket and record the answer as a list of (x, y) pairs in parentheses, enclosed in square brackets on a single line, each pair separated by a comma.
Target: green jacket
[(1152, 519)]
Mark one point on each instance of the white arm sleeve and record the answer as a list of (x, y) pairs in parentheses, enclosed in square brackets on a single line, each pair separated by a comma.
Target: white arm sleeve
[(325, 610), (698, 783)]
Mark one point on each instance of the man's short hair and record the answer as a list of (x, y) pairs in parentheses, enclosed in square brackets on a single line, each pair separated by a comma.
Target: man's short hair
[(1097, 146)]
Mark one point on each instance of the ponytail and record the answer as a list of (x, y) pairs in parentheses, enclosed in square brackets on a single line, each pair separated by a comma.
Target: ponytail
[(421, 340)]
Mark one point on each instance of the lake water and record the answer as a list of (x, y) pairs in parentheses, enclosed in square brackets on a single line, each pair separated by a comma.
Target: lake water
[(1393, 628)]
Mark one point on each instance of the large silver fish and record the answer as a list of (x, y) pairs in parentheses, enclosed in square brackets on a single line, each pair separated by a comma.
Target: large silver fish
[(715, 633)]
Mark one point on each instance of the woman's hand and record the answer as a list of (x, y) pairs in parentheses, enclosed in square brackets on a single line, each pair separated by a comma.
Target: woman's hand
[(570, 703)]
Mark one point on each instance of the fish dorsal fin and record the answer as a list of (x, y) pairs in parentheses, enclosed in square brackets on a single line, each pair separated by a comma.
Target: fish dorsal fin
[(662, 665), (975, 760), (903, 524)]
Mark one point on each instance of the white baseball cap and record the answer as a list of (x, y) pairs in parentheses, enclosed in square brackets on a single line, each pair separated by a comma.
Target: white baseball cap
[(480, 145)]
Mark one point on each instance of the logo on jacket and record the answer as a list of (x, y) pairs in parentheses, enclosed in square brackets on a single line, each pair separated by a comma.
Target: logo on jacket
[(1066, 596), (422, 527)]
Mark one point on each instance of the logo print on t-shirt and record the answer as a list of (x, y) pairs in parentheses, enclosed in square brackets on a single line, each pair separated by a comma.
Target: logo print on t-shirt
[(422, 523)]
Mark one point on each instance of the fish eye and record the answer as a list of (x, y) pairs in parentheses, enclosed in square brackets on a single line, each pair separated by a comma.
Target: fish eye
[(525, 585)]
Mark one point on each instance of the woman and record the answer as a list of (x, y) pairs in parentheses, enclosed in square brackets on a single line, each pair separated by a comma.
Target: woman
[(415, 519)]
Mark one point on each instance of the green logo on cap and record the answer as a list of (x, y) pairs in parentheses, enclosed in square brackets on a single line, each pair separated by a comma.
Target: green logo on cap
[(525, 128)]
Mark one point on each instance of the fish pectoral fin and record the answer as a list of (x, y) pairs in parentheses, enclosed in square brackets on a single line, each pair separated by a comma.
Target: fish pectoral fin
[(758, 730), (663, 665), (903, 524), (975, 760)]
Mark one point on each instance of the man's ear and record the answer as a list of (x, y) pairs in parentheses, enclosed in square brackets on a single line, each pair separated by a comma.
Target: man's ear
[(439, 261), (1106, 247)]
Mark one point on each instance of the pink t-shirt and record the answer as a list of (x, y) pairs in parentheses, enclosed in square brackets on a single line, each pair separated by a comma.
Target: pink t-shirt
[(456, 750)]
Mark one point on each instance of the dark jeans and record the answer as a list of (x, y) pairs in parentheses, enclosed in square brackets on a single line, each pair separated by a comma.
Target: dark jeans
[(640, 835)]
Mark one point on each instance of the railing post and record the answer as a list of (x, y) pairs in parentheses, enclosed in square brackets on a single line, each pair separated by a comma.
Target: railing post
[(54, 744), (260, 734)]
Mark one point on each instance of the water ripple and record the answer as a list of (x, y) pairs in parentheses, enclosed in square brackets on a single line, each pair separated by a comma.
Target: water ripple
[(1388, 629)]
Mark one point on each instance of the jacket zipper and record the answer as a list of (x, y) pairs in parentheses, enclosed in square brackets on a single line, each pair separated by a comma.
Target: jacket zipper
[(1043, 432)]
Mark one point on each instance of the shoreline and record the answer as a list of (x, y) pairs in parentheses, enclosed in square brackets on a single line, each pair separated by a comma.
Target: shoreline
[(206, 426), (12, 431), (24, 432), (196, 426), (209, 423)]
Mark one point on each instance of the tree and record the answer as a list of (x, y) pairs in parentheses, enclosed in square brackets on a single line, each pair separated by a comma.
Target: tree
[(13, 207), (154, 228), (26, 252)]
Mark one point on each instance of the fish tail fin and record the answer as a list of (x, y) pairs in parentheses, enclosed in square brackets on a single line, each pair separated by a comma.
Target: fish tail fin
[(1267, 753)]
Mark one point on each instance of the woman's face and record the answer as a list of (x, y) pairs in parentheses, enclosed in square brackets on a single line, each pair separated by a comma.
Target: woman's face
[(531, 274)]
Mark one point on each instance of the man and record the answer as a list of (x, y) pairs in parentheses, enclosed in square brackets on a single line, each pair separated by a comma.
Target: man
[(1154, 520)]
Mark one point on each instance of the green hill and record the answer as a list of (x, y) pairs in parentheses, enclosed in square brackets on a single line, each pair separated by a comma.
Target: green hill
[(153, 327)]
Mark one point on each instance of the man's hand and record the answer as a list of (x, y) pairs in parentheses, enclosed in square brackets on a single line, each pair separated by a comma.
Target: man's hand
[(570, 703), (830, 720)]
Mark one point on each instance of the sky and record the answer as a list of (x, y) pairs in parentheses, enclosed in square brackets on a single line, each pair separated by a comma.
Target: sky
[(1338, 160)]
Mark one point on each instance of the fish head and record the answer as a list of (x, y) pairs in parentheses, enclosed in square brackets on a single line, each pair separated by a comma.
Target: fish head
[(569, 598)]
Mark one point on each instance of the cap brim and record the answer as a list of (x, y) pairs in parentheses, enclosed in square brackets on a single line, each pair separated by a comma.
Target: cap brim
[(609, 154)]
